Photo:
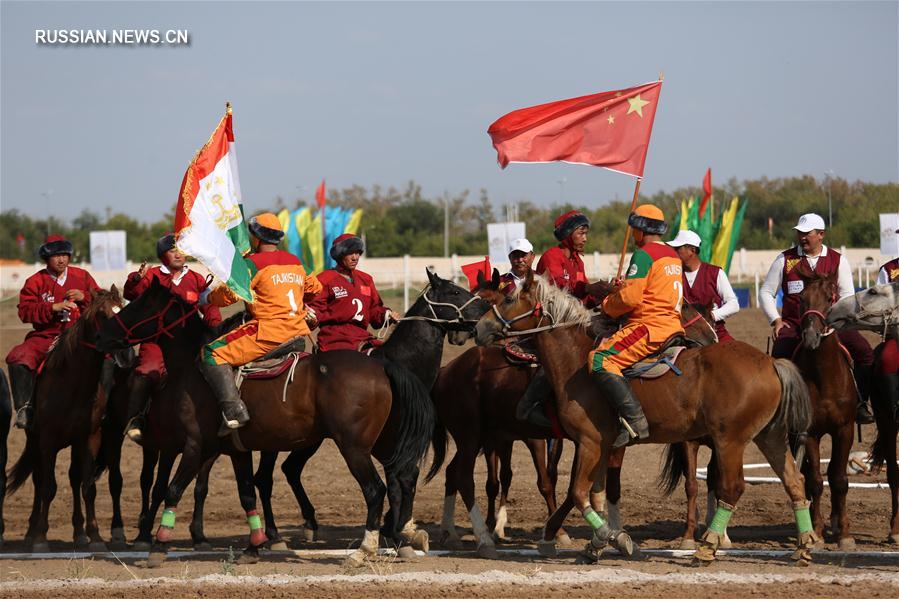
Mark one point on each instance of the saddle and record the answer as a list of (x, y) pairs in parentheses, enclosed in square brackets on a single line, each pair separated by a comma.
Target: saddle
[(656, 364), (274, 363)]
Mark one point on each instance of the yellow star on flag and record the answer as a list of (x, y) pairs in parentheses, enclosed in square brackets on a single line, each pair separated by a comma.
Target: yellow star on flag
[(611, 120), (636, 105)]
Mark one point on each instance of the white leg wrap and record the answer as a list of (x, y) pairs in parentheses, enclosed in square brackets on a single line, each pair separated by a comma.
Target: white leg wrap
[(448, 523), (409, 528), (479, 527), (614, 516), (370, 542), (501, 519)]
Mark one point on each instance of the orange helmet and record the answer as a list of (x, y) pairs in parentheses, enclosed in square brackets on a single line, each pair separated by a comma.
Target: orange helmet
[(267, 228), (649, 219)]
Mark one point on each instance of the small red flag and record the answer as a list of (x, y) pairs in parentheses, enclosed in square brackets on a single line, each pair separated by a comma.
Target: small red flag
[(471, 271), (707, 192), (609, 129), (320, 195)]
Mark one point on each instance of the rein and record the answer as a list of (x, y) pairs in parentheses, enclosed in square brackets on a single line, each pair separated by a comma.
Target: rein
[(159, 317), (537, 310), (827, 330), (458, 320)]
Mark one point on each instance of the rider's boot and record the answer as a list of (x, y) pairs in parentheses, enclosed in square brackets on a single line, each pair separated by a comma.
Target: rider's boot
[(138, 401), (22, 380), (221, 378), (530, 406), (863, 413), (617, 391)]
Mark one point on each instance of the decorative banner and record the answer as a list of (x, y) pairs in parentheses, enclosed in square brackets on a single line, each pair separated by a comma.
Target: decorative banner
[(889, 244), (499, 236), (108, 250)]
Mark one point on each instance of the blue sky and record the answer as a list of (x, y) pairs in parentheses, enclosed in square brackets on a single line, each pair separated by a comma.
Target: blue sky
[(380, 93)]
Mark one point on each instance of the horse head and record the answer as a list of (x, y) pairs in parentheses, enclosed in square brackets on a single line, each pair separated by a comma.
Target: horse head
[(873, 309), (818, 295), (104, 304), (155, 313), (698, 323), (452, 307), (514, 312)]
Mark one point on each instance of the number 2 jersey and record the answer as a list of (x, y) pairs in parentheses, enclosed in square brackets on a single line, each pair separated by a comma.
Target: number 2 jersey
[(652, 293), (281, 287), (345, 308)]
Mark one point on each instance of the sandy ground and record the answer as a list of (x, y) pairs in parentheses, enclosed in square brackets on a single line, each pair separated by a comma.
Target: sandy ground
[(763, 521)]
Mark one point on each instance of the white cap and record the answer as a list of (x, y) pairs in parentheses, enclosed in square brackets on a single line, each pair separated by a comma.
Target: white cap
[(809, 221), (521, 245), (685, 237)]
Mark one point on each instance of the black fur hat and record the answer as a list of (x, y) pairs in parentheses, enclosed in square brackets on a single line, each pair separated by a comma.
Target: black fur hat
[(164, 244), (346, 244), (55, 244)]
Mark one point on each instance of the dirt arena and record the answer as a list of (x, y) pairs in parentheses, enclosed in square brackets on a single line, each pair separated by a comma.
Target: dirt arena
[(763, 521)]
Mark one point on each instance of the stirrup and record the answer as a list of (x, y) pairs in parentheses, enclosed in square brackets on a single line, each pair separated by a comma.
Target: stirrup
[(23, 417), (134, 432)]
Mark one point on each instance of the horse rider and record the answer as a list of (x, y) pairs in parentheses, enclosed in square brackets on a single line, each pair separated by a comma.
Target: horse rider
[(563, 266), (562, 263), (888, 366), (149, 372), (521, 259), (650, 296), (349, 301), (281, 287), (51, 300), (785, 274), (705, 284)]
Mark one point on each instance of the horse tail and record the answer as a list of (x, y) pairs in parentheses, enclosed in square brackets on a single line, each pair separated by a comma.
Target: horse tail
[(417, 419), (795, 409), (674, 468), (24, 466), (438, 445)]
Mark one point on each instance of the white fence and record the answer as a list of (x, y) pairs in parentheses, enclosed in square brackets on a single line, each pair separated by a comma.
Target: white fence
[(408, 272)]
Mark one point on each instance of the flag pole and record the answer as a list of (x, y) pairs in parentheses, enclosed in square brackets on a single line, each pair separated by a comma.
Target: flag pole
[(627, 230)]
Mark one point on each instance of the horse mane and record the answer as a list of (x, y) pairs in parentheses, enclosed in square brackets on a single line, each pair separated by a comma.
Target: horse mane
[(68, 342), (557, 301)]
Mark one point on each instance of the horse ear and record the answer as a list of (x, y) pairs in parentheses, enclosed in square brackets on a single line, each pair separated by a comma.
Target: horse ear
[(433, 279), (481, 279), (114, 290), (528, 281), (494, 282)]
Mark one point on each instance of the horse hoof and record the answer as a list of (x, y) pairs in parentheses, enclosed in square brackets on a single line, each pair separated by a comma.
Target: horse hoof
[(406, 552), (247, 559), (420, 541), (82, 541), (586, 558), (310, 535), (356, 559), (701, 563), (846, 544), (547, 548), (97, 547), (687, 544), (624, 544), (726, 543), (155, 559), (141, 546), (451, 542), (279, 546), (563, 540), (203, 545), (487, 551), (40, 547), (893, 539), (117, 535)]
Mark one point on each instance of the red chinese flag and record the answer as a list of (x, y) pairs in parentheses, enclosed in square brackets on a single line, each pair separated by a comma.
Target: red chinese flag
[(707, 192), (471, 271), (320, 195), (608, 129)]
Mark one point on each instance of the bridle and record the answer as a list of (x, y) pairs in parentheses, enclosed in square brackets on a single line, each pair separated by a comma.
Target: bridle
[(161, 327), (459, 320), (827, 329), (697, 318), (890, 316), (538, 310)]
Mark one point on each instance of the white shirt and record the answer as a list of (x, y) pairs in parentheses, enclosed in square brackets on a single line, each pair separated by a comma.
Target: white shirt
[(731, 304), (176, 279), (774, 281), (883, 277)]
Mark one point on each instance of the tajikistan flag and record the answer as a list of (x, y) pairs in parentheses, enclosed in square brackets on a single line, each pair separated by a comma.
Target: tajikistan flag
[(209, 222)]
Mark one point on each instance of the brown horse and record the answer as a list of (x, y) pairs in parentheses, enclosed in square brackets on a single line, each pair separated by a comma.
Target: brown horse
[(731, 392), (69, 404), (827, 370), (877, 309)]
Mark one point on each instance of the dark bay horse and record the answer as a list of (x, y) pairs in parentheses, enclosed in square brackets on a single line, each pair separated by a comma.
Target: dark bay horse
[(877, 309), (341, 395), (69, 404), (827, 370), (731, 392), (482, 414), (5, 419)]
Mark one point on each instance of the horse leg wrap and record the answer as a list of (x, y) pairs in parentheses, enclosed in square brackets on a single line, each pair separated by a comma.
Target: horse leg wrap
[(601, 529), (257, 534), (166, 525), (715, 533), (805, 532), (370, 542)]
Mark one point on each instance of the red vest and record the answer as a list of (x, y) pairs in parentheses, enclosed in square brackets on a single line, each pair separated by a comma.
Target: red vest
[(705, 292), (793, 283), (892, 268)]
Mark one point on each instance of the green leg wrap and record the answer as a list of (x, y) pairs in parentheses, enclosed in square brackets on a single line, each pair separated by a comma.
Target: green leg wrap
[(803, 519), (254, 521), (168, 518), (593, 519), (721, 518)]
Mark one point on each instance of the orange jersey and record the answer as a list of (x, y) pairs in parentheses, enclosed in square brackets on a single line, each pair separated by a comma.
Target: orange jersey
[(281, 287), (652, 292)]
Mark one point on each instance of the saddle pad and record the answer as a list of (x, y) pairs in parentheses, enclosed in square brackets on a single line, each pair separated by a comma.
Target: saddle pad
[(269, 369), (517, 356), (657, 366)]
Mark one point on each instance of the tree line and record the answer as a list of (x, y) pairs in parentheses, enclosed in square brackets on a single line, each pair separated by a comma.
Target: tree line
[(405, 221)]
